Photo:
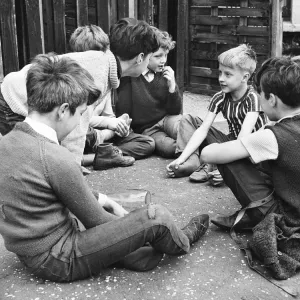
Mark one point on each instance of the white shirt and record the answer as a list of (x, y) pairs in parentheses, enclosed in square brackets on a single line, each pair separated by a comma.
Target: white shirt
[(42, 129)]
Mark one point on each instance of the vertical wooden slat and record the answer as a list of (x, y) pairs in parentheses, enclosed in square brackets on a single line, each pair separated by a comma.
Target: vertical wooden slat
[(145, 11), (59, 26), (123, 9), (182, 40), (48, 25), (133, 8), (277, 30), (82, 12), (8, 36), (34, 21), (163, 15), (243, 22), (103, 14)]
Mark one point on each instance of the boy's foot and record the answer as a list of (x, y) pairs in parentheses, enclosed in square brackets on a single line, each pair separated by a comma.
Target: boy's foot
[(201, 174), (196, 228), (226, 222), (188, 167), (109, 156)]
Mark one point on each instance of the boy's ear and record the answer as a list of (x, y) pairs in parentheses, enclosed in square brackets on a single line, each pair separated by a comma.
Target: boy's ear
[(246, 77), (62, 110), (140, 58), (273, 100)]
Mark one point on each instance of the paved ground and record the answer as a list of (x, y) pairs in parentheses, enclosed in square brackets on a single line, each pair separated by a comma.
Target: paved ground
[(214, 269)]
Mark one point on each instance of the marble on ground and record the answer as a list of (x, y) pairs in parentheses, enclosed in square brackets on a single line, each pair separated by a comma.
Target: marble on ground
[(214, 268)]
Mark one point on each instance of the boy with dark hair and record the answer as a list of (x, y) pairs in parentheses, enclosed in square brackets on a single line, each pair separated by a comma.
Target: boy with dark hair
[(40, 185), (153, 100), (106, 132), (238, 103), (271, 202)]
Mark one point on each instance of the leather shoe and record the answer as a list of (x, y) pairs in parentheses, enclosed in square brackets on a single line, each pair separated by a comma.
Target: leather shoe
[(226, 222), (196, 228)]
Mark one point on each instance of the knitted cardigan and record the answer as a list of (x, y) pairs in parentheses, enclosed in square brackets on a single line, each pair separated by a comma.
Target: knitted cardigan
[(276, 240), (39, 184), (103, 68)]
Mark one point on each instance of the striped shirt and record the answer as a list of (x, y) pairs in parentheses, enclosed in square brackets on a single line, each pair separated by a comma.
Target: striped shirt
[(235, 111)]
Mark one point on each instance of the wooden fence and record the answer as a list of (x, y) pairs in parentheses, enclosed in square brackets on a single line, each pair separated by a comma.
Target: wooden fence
[(213, 26), (202, 29), (30, 27)]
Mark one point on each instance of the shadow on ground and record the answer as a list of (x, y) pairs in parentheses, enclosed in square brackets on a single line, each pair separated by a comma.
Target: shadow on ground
[(214, 269)]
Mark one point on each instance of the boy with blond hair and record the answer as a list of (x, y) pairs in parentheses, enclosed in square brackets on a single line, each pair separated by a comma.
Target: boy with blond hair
[(238, 103), (153, 100)]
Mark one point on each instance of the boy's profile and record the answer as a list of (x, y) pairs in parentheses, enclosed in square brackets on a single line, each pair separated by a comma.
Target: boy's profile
[(269, 196), (153, 100), (238, 103), (41, 184)]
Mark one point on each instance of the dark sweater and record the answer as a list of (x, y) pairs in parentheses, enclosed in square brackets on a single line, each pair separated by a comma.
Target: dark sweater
[(40, 182), (147, 102), (286, 168)]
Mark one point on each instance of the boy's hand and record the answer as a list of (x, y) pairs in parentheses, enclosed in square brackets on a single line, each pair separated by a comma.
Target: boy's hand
[(169, 74), (174, 165), (118, 125), (115, 208)]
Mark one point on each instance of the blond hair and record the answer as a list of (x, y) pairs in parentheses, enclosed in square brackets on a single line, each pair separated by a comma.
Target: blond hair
[(164, 39), (242, 56)]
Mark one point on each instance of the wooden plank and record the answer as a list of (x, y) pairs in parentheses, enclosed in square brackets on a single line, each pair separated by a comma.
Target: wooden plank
[(215, 3), (34, 30), (243, 21), (103, 14), (21, 33), (214, 37), (59, 26), (82, 12), (145, 11), (8, 36), (48, 25), (243, 12), (163, 15), (123, 9), (276, 28), (204, 72), (203, 89), (182, 43)]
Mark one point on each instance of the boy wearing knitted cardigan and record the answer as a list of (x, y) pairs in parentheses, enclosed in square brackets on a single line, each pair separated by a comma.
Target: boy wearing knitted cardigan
[(105, 130), (269, 197), (153, 99), (40, 185), (103, 68)]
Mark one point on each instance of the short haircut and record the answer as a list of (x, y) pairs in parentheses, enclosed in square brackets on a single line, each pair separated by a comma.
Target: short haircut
[(89, 37), (52, 81), (242, 56), (281, 77), (164, 39), (127, 40)]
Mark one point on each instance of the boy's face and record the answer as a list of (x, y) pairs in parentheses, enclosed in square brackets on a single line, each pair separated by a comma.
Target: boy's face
[(158, 60), (231, 79), (267, 107), (69, 122)]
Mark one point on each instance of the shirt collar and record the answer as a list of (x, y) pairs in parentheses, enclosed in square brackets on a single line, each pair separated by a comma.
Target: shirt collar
[(147, 71), (287, 117), (42, 129)]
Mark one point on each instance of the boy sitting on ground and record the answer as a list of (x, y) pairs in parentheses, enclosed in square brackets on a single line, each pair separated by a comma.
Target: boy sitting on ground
[(41, 184), (239, 105), (270, 198), (153, 100), (105, 128)]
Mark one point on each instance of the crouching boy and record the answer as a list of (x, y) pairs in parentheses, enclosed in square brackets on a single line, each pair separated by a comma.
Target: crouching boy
[(40, 184)]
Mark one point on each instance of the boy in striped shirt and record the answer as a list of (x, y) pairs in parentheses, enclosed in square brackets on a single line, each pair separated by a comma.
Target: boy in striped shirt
[(238, 103)]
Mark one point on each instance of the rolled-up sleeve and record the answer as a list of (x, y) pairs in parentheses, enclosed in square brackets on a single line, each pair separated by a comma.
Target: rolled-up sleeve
[(261, 145)]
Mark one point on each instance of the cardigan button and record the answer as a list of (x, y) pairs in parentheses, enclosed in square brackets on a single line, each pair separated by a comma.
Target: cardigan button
[(279, 253)]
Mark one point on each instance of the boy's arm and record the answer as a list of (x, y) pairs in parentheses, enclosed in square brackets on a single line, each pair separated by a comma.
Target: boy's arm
[(194, 143), (259, 146), (249, 123), (174, 100), (124, 97), (71, 188)]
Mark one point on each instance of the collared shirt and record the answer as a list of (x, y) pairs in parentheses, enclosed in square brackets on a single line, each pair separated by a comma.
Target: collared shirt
[(262, 145), (149, 75), (42, 129)]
